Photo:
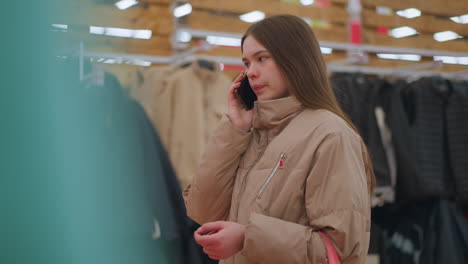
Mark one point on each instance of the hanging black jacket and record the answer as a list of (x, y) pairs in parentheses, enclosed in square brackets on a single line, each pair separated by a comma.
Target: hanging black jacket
[(190, 252), (123, 202), (402, 228), (457, 128), (446, 235), (358, 96), (419, 135)]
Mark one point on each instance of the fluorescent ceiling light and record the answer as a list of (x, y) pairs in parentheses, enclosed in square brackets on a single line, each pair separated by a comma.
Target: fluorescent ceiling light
[(121, 32), (142, 63), (142, 34), (121, 61), (110, 61), (407, 57), (252, 17), (402, 32), (60, 26), (460, 19), (463, 60), (409, 13), (183, 36), (307, 2), (387, 56), (139, 62), (452, 60), (124, 4), (183, 10), (97, 30), (223, 41), (446, 35), (410, 57), (325, 50), (384, 10), (307, 20), (446, 59)]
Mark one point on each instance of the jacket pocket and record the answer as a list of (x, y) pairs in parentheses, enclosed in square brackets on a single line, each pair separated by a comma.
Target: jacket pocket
[(273, 172)]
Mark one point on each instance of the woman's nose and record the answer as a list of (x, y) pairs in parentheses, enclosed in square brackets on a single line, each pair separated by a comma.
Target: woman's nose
[(252, 73)]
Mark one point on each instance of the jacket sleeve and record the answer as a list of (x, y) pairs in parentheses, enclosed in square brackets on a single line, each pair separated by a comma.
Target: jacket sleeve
[(208, 198), (337, 203)]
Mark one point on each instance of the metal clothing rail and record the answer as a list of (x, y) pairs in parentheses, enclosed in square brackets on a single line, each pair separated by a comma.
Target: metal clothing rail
[(413, 70), (393, 72), (164, 59), (342, 46), (131, 56), (463, 75), (190, 55)]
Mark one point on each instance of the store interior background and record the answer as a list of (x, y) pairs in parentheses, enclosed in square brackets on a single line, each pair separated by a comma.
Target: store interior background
[(68, 192), (388, 30)]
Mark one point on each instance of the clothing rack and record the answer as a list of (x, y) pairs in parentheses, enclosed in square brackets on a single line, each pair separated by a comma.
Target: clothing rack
[(343, 46), (461, 75), (190, 55), (392, 72)]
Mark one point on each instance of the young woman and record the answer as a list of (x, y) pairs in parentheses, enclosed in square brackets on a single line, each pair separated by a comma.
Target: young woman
[(273, 178)]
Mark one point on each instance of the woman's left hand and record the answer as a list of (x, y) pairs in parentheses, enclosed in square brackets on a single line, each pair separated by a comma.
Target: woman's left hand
[(221, 239)]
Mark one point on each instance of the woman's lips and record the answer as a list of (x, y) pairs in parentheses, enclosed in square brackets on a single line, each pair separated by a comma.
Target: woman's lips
[(257, 88)]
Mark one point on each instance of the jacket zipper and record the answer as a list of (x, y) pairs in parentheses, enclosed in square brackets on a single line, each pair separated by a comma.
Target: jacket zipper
[(265, 184)]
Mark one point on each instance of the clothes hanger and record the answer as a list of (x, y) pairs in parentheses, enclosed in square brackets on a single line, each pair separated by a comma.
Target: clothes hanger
[(206, 64)]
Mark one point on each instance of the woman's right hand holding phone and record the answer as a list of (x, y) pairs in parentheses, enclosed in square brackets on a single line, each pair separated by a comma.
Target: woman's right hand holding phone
[(240, 117)]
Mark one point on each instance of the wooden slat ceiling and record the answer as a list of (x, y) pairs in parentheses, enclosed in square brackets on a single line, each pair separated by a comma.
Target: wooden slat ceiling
[(205, 20), (433, 7), (222, 15), (270, 7)]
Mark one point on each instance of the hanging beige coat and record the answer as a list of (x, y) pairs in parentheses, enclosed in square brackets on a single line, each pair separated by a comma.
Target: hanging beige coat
[(149, 88), (297, 172), (185, 104)]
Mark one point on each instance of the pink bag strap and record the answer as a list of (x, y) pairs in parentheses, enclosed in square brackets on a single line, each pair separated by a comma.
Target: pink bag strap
[(331, 251)]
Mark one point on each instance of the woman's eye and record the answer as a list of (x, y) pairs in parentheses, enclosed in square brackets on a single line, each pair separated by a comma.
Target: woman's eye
[(262, 58)]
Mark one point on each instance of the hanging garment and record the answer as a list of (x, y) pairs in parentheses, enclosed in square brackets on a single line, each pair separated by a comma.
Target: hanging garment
[(402, 230), (432, 231), (139, 203), (380, 143), (375, 239), (191, 252), (109, 213), (194, 100), (446, 235), (117, 206), (149, 89), (363, 99), (173, 230), (353, 92), (184, 103), (418, 126), (457, 129)]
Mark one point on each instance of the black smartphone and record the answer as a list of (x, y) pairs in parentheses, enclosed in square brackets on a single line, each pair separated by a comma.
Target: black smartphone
[(245, 94)]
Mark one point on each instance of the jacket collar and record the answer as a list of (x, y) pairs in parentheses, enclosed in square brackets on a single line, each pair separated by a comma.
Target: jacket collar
[(273, 114)]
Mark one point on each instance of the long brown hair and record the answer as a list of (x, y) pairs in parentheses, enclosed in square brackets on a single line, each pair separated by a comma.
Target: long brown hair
[(295, 49)]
